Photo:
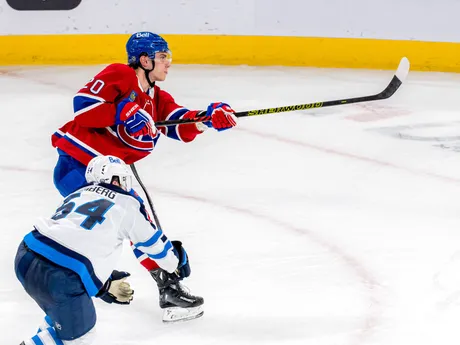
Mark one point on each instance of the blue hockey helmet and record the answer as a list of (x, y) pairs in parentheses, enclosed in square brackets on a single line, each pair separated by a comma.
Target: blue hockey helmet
[(145, 42)]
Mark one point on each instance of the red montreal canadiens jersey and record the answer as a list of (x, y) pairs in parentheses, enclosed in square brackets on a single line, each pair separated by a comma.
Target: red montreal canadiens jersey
[(93, 131)]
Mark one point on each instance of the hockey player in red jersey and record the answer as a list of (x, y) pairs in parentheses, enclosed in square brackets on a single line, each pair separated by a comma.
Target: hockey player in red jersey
[(115, 114)]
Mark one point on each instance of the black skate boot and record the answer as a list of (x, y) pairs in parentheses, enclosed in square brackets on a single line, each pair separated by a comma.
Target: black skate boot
[(175, 299)]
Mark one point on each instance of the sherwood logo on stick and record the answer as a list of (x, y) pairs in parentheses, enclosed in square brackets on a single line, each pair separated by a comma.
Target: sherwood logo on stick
[(43, 5)]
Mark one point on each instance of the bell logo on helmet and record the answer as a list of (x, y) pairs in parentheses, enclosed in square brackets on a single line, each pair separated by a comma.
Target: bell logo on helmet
[(114, 160), (143, 34)]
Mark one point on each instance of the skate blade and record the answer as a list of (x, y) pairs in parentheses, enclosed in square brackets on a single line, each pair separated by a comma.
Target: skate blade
[(176, 314)]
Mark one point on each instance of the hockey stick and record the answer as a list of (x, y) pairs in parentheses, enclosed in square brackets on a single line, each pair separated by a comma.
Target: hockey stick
[(398, 78), (149, 200), (161, 276)]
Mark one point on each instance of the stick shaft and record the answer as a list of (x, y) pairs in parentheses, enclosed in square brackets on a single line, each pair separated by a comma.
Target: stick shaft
[(149, 200), (391, 88)]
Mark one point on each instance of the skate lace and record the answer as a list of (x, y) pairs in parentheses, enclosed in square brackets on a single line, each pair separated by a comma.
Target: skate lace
[(184, 289)]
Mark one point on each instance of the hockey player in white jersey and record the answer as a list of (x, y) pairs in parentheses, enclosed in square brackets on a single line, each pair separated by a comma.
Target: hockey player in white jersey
[(69, 258)]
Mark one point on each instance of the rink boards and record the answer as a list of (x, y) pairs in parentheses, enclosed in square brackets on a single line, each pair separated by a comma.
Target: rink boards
[(236, 50), (333, 33)]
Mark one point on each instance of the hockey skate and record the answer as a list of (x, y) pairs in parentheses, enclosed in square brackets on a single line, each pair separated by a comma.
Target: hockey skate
[(175, 299)]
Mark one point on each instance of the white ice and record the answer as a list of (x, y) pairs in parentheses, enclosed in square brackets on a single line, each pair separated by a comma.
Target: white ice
[(330, 226)]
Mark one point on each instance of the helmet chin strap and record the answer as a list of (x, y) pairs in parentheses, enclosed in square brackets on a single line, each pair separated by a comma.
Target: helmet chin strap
[(147, 71)]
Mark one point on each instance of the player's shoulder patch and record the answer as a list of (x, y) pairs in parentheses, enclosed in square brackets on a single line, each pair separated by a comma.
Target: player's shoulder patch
[(132, 96)]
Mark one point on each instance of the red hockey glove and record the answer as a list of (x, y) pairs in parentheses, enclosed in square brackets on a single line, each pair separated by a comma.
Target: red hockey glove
[(136, 120), (222, 116)]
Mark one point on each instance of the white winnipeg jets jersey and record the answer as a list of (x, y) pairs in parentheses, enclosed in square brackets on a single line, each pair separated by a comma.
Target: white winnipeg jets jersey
[(87, 231)]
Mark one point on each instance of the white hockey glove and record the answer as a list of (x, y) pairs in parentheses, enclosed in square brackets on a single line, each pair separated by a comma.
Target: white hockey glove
[(116, 289)]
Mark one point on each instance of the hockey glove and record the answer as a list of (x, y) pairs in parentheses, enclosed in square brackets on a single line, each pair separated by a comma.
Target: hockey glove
[(222, 116), (136, 120), (116, 290), (183, 267)]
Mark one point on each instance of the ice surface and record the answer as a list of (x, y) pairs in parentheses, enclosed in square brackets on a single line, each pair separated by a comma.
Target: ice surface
[(326, 226)]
